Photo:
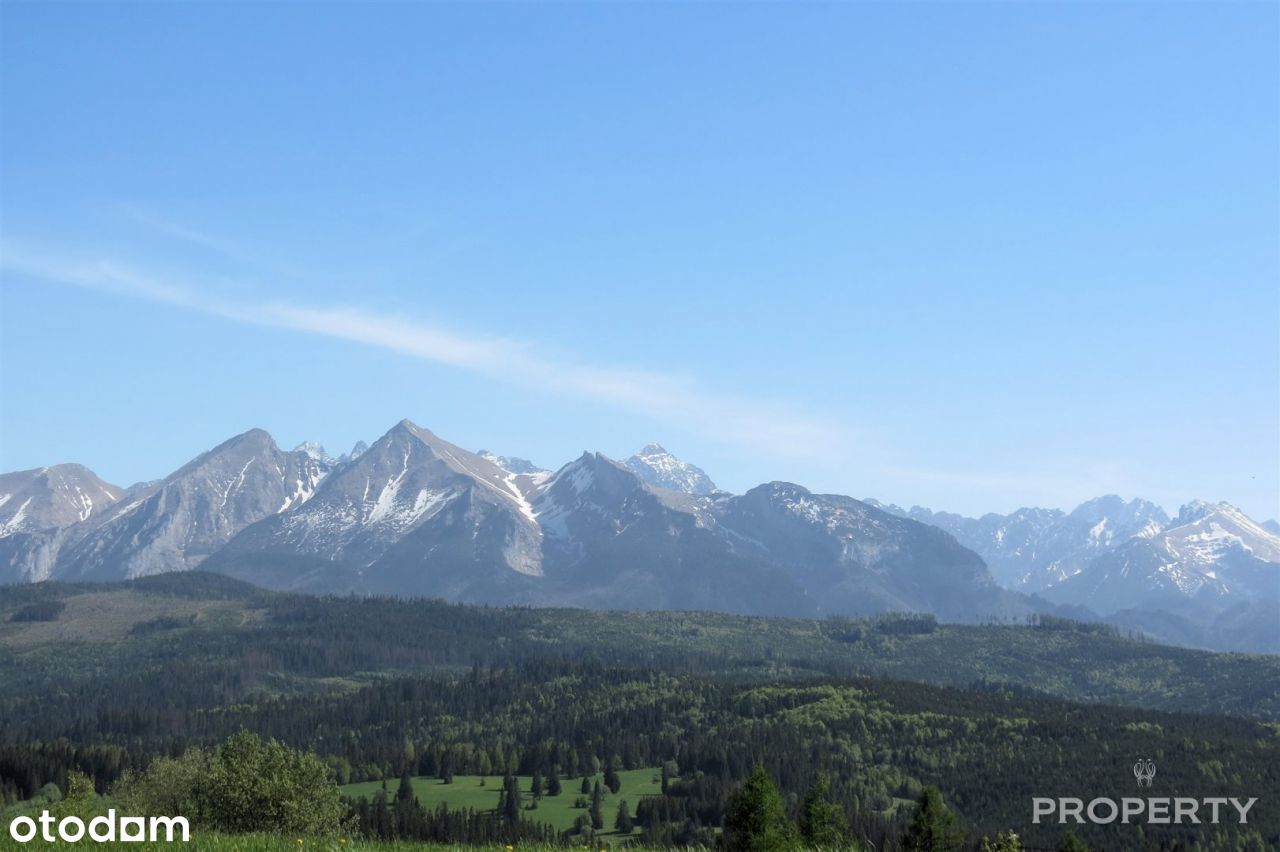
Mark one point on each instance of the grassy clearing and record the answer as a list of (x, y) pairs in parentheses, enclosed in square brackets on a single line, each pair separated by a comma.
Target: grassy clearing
[(466, 792), (108, 616)]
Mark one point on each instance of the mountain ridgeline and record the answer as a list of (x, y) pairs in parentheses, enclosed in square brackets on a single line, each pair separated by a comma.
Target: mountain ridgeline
[(413, 515)]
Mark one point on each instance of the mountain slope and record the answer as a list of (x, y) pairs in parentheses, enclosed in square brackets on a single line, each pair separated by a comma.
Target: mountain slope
[(1032, 549), (415, 515), (855, 558), (611, 542), (56, 496), (412, 515), (173, 525), (37, 507), (1211, 555)]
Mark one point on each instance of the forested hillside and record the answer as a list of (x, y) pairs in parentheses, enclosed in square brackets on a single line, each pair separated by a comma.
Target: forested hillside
[(105, 678), (224, 640)]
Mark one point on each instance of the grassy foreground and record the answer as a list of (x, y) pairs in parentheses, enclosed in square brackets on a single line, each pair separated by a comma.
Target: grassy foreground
[(558, 811)]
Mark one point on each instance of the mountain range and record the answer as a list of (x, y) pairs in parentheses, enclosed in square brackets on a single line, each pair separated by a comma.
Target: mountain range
[(414, 515)]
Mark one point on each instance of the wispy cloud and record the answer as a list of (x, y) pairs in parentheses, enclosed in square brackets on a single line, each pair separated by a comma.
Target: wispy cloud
[(767, 426)]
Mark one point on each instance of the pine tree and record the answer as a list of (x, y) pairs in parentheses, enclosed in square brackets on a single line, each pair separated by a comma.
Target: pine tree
[(756, 821), (586, 786), (933, 827), (535, 786), (622, 823)]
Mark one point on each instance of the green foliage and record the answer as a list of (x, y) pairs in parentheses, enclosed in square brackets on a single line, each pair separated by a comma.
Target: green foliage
[(1006, 841), (1071, 843), (933, 827), (622, 822), (756, 820), (822, 822), (170, 785), (381, 688), (245, 785), (267, 786)]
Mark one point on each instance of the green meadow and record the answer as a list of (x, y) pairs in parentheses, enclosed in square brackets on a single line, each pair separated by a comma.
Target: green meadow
[(481, 793)]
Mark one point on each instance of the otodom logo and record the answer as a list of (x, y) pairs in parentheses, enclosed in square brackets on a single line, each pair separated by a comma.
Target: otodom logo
[(1152, 810)]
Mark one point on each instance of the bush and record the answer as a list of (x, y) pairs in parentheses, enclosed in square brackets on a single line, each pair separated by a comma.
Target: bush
[(245, 785)]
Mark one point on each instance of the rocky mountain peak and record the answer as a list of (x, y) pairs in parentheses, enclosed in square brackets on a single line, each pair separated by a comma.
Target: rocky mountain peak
[(656, 466)]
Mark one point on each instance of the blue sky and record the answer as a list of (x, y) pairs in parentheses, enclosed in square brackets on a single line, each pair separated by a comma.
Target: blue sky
[(967, 256)]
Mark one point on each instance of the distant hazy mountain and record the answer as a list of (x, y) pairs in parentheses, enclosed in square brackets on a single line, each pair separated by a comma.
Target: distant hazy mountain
[(851, 557), (415, 515), (511, 463), (1033, 549), (1212, 554), (658, 467), (316, 450), (1211, 576)]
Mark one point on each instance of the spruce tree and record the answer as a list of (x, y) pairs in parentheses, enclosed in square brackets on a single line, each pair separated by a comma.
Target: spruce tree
[(822, 823), (611, 779), (933, 827), (622, 823), (597, 807), (511, 802), (756, 821)]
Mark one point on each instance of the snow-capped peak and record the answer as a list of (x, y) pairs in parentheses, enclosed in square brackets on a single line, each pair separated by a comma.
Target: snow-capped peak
[(315, 450), (511, 464), (658, 467)]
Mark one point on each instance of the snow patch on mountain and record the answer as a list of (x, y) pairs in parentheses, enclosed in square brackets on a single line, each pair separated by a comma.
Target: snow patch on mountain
[(656, 466)]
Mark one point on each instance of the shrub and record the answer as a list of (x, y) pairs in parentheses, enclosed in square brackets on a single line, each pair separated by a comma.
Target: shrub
[(243, 786)]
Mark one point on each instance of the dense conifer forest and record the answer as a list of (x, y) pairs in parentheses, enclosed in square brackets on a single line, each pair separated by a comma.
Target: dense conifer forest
[(877, 711)]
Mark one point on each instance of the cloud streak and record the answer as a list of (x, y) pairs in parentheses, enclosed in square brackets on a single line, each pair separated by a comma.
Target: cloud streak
[(766, 426)]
